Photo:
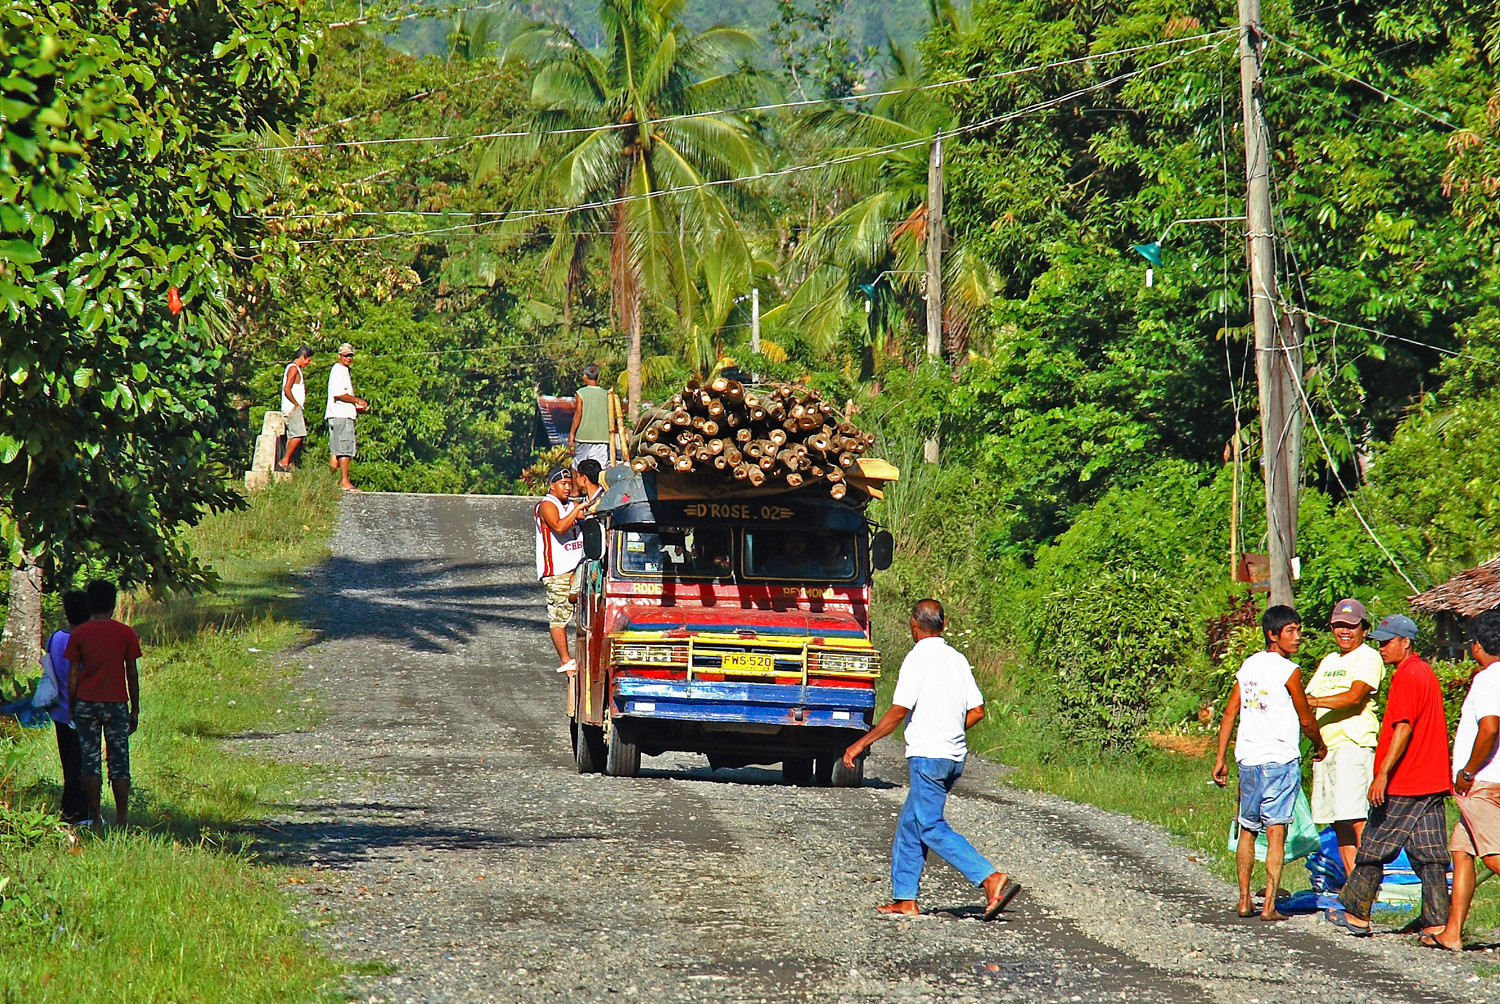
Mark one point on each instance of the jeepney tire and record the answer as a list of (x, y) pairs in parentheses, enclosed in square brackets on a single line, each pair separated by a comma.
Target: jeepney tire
[(797, 770), (622, 755), (843, 777), (588, 747), (823, 769)]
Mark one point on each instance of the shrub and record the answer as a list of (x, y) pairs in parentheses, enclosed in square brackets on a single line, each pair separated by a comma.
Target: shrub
[(1114, 643)]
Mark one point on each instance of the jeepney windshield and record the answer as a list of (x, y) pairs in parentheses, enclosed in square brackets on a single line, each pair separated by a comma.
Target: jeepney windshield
[(781, 554), (704, 552)]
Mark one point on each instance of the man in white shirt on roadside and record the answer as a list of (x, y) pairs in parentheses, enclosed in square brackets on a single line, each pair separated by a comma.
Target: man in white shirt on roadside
[(938, 699), (1269, 702), (343, 407), (293, 398), (1476, 780)]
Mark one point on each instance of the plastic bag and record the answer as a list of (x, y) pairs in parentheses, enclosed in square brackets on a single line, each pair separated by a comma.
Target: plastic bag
[(46, 696), (1301, 834)]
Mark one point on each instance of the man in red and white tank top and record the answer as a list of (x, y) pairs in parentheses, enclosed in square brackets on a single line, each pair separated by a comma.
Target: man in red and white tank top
[(559, 549)]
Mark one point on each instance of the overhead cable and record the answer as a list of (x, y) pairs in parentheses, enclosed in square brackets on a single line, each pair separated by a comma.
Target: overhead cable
[(803, 103)]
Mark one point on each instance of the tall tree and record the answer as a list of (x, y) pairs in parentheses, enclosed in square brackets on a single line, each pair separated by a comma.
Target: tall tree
[(643, 179), (118, 184)]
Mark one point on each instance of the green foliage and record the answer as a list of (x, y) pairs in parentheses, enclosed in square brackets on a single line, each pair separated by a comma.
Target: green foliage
[(119, 180)]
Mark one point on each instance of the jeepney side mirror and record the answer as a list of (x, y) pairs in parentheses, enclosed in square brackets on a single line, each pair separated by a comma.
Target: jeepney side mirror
[(882, 550), (593, 539)]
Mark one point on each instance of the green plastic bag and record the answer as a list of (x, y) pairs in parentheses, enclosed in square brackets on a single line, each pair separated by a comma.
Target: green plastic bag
[(1301, 836)]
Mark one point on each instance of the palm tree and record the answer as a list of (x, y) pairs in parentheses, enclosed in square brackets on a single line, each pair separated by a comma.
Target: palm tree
[(871, 253), (647, 135)]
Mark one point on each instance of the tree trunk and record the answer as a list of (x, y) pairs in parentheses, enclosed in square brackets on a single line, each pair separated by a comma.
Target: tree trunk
[(21, 641)]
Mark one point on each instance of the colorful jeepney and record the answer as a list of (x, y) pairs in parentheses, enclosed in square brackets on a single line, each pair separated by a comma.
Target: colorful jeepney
[(736, 628)]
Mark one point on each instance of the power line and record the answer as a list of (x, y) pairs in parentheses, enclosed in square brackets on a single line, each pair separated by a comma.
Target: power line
[(777, 106), (522, 215), (1399, 338)]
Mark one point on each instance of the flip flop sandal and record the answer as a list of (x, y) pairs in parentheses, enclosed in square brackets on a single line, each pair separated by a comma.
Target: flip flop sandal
[(1339, 919), (1428, 941), (1007, 893)]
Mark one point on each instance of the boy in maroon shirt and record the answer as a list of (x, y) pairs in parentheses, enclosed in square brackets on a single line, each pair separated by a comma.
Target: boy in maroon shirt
[(1409, 789), (103, 654)]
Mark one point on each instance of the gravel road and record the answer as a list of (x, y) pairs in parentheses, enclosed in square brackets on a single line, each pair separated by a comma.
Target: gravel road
[(459, 854)]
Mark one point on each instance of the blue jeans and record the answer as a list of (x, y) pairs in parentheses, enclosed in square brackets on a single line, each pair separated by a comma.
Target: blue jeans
[(1268, 794), (922, 828)]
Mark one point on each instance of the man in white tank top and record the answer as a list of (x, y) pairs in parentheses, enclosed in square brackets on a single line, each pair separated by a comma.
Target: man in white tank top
[(293, 398), (1269, 701), (559, 549)]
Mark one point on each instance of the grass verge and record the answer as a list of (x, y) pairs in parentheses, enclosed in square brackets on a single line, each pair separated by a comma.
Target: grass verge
[(176, 908), (1172, 790)]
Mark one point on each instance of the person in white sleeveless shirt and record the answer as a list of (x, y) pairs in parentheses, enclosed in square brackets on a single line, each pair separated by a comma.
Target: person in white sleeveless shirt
[(559, 549), (1271, 705), (293, 400)]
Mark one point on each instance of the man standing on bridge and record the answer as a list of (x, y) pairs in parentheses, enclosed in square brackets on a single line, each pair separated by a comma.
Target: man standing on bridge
[(938, 699), (344, 406), (559, 549), (589, 436)]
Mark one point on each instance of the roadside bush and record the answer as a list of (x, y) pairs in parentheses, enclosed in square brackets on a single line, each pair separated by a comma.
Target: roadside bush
[(1114, 643)]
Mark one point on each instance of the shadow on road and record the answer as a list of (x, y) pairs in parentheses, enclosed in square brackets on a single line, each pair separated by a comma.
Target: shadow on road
[(425, 604), (340, 844)]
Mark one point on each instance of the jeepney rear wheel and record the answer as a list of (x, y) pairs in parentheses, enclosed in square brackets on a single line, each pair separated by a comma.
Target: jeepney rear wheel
[(622, 754), (843, 777), (797, 770), (588, 747), (823, 769)]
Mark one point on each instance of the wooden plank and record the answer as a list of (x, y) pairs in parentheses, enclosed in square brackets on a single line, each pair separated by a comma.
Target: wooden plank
[(876, 469)]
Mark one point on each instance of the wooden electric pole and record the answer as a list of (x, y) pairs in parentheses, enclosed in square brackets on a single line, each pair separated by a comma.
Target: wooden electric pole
[(1278, 352), (934, 281)]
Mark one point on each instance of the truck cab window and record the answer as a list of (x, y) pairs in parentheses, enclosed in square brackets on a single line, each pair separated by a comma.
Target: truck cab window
[(695, 553), (781, 554)]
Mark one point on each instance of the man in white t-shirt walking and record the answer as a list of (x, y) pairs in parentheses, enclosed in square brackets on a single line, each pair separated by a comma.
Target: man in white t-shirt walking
[(1476, 780), (938, 699), (1342, 692), (293, 400), (1268, 699), (343, 407)]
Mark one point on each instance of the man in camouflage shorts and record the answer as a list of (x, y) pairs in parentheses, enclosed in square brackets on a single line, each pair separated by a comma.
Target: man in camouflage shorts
[(103, 654)]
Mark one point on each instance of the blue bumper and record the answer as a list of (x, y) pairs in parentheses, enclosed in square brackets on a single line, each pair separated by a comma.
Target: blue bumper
[(763, 703)]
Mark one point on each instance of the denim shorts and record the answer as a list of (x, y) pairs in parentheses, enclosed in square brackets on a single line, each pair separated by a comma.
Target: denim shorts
[(113, 719), (1268, 794)]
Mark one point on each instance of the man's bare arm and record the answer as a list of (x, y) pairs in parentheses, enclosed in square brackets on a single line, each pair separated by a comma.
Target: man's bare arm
[(133, 684), (1351, 698), (1484, 748), (1226, 729), (1305, 717), (887, 724), (286, 387), (558, 523), (1400, 739), (573, 429), (973, 717)]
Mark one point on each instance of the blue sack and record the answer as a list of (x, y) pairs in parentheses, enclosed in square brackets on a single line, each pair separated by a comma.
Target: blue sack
[(1325, 867), (28, 716)]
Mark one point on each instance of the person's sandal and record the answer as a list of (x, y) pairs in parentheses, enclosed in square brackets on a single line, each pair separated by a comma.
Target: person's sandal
[(1338, 918)]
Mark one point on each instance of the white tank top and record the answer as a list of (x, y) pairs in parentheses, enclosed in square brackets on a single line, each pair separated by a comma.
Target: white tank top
[(557, 553), (299, 391), (1268, 719)]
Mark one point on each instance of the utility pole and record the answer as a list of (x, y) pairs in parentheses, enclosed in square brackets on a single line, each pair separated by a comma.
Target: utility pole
[(755, 319), (934, 283), (1278, 351)]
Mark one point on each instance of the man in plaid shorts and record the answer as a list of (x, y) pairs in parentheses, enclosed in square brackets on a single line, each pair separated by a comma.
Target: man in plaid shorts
[(1408, 792), (102, 653)]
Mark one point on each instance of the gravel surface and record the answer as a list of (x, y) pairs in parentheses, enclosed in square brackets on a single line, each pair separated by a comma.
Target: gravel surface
[(461, 858)]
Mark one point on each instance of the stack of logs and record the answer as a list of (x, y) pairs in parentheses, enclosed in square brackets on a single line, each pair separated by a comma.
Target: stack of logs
[(779, 434)]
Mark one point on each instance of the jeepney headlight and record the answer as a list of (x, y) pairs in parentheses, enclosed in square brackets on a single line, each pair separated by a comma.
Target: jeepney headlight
[(846, 662), (664, 655)]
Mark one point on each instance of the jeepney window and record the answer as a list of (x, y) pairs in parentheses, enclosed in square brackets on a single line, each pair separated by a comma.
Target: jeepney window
[(693, 553), (780, 554)]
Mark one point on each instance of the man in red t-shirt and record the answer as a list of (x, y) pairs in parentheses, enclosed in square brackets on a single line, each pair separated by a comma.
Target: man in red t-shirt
[(103, 654), (1408, 792)]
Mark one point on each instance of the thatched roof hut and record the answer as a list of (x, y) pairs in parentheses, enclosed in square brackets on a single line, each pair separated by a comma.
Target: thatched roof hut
[(1467, 594)]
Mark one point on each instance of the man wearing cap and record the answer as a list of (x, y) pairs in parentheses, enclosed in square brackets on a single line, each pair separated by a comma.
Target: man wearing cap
[(1408, 791), (1342, 692), (343, 407), (559, 549), (589, 436), (1476, 779)]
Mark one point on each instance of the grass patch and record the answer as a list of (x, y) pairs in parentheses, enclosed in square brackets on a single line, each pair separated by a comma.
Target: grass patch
[(1172, 790), (178, 909)]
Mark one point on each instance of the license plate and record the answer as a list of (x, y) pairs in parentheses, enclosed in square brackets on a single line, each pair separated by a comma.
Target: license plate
[(748, 661)]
